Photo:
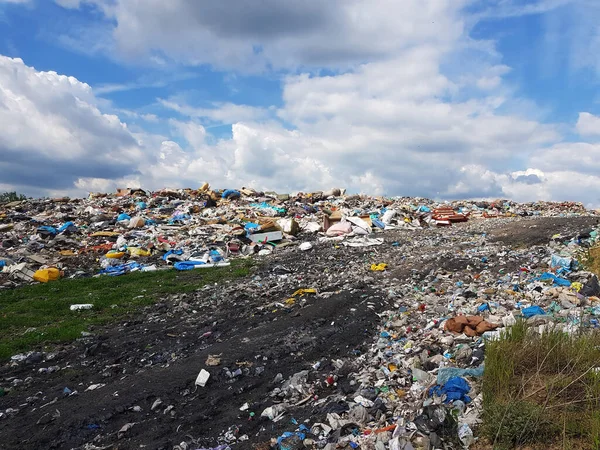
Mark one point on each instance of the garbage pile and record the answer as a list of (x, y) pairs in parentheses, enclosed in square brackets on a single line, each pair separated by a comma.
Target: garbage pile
[(135, 230), (418, 386)]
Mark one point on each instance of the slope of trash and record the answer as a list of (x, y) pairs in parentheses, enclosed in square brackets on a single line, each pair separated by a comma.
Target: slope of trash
[(362, 325)]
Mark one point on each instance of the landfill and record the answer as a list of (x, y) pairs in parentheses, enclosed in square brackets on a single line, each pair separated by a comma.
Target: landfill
[(363, 323)]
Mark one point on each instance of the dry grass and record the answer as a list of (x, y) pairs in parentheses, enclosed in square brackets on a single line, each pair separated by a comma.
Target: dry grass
[(542, 389)]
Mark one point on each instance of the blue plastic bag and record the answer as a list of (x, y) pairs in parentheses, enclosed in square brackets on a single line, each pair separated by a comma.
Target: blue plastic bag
[(172, 252), (561, 262), (532, 311), (456, 388), (557, 280), (66, 226), (115, 271), (445, 373), (286, 435), (50, 230), (231, 193)]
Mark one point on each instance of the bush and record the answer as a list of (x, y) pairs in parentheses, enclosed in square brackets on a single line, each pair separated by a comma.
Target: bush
[(7, 197)]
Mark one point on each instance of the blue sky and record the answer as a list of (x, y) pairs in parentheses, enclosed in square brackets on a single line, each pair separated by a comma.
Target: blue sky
[(437, 98)]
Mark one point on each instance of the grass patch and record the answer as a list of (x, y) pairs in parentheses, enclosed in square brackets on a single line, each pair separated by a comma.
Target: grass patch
[(591, 260), (33, 316), (542, 389)]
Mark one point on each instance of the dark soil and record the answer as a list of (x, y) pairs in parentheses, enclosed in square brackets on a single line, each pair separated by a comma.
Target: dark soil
[(536, 232), (282, 342)]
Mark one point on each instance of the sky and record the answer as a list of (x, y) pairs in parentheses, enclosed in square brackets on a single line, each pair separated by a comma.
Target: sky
[(445, 99)]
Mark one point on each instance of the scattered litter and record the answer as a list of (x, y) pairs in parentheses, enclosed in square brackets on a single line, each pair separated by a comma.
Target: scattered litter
[(202, 378), (387, 356), (213, 360), (81, 306)]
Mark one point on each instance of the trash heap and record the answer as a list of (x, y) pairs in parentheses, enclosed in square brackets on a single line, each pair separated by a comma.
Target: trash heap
[(135, 230), (417, 386)]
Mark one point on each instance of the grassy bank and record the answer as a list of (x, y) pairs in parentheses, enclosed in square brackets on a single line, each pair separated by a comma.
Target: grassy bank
[(542, 390), (39, 314)]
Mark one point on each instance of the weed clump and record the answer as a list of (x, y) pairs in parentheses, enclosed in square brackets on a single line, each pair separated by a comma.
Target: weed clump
[(542, 388)]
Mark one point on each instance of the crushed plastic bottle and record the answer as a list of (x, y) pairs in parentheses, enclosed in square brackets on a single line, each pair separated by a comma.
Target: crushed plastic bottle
[(465, 435)]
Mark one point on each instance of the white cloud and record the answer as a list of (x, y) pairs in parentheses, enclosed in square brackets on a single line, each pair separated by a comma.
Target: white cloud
[(414, 106), (250, 36), (516, 8), (53, 132), (262, 156), (144, 83), (560, 185), (588, 124), (227, 113)]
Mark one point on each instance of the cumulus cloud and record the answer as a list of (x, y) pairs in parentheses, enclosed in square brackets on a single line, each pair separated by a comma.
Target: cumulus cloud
[(413, 106), (263, 156), (588, 124), (236, 34), (53, 133), (529, 176)]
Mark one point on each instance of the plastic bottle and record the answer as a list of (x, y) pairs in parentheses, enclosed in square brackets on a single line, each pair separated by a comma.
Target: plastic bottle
[(465, 434)]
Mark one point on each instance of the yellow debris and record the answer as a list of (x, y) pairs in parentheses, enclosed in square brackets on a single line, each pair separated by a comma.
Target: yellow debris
[(115, 255), (378, 267), (45, 275), (301, 292), (136, 251)]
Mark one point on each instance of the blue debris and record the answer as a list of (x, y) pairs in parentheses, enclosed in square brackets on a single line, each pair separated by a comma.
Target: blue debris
[(445, 373), (46, 229), (456, 388), (122, 269), (557, 280), (165, 257), (231, 194), (532, 311), (66, 226)]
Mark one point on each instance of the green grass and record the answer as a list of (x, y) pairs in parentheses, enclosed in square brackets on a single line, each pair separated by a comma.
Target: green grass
[(38, 315), (542, 389), (589, 260)]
